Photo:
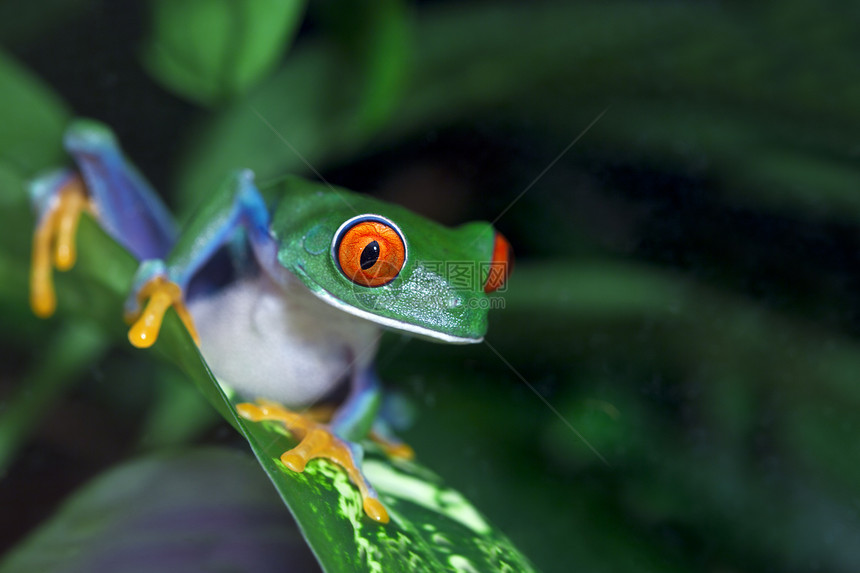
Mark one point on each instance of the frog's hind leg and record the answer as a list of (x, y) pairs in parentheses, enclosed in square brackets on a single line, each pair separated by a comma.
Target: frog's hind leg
[(382, 434), (337, 440), (106, 186), (318, 441), (395, 412)]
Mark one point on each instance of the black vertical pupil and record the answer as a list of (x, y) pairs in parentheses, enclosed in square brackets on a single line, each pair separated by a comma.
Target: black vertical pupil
[(369, 255)]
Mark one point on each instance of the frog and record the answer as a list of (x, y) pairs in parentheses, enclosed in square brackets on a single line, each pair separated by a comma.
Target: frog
[(317, 273)]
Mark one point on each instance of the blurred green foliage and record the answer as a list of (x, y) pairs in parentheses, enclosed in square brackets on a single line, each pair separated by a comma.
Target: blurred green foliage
[(686, 292), (212, 51), (134, 507)]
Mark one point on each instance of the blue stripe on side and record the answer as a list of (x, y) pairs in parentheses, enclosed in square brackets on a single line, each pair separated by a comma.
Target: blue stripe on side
[(246, 208)]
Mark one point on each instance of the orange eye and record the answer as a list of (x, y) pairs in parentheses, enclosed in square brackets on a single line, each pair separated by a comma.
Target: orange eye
[(501, 265), (369, 250)]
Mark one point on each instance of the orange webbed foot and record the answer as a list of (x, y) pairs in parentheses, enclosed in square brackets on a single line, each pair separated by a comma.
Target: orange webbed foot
[(54, 243), (316, 440), (392, 447), (160, 295)]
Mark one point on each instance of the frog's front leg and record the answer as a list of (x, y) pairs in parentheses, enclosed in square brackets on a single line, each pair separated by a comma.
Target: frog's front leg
[(336, 441), (59, 199), (152, 287), (159, 284)]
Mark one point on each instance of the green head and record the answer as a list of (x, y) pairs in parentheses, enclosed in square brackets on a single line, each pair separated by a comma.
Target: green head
[(384, 263)]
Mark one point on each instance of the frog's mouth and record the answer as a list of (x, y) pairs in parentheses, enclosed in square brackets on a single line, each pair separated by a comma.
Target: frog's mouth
[(390, 323)]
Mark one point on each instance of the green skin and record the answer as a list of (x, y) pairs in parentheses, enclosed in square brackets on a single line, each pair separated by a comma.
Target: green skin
[(423, 299)]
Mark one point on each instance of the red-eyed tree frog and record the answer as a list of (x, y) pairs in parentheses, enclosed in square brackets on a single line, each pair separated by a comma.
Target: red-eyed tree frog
[(323, 271)]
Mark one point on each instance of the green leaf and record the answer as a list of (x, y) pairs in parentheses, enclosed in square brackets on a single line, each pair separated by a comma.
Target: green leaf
[(431, 525), (432, 528), (17, 227), (212, 50), (375, 40), (32, 120)]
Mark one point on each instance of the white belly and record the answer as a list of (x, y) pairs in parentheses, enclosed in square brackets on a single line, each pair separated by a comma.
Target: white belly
[(286, 345)]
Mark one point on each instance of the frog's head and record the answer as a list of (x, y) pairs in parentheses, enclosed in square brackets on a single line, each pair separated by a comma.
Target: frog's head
[(388, 265)]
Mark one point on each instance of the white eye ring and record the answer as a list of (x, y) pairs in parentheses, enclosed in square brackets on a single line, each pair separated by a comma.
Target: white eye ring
[(351, 222)]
